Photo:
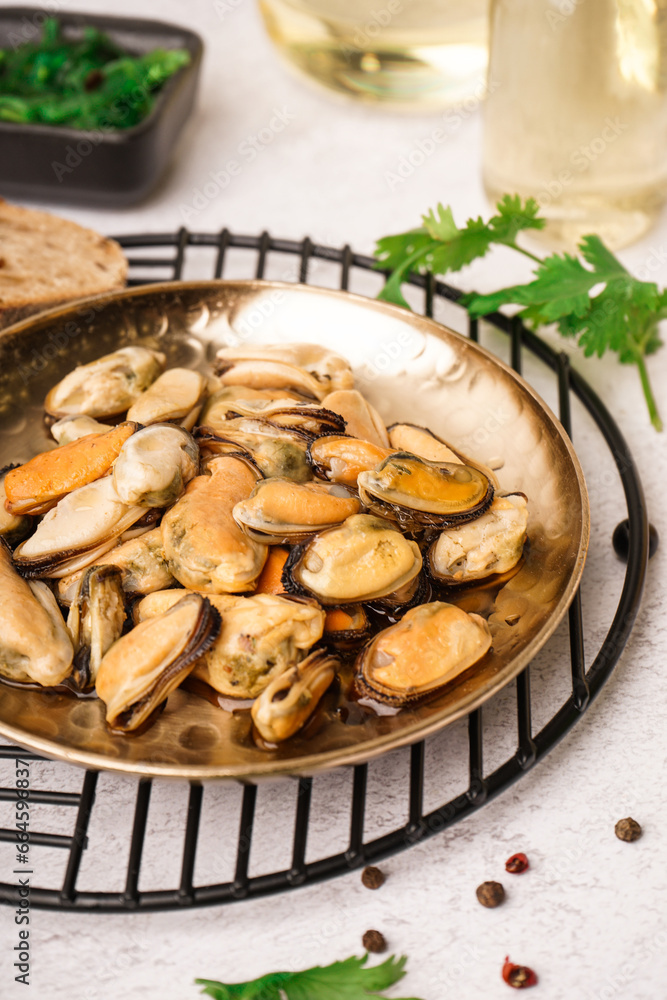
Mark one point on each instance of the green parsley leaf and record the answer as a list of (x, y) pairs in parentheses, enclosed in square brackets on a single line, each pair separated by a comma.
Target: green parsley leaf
[(347, 980), (591, 297), (440, 246)]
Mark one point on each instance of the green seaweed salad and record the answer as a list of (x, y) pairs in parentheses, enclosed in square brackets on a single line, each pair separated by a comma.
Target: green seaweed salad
[(89, 83)]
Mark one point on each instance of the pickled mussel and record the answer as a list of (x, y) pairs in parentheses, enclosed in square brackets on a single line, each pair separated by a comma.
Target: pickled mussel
[(95, 622), (493, 543), (222, 402), (311, 418), (340, 458), (261, 637), (143, 667), (364, 558), (106, 387), (36, 486), (155, 465), (82, 526), (290, 699), (430, 646), (362, 420), (276, 451), (418, 493), (309, 369), (35, 646), (279, 511), (204, 547), (13, 527), (177, 396), (69, 429)]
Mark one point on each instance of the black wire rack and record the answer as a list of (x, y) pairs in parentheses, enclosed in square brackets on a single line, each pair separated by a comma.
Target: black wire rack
[(481, 787)]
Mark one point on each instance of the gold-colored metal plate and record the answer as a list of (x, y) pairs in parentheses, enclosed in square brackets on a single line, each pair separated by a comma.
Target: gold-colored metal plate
[(412, 369)]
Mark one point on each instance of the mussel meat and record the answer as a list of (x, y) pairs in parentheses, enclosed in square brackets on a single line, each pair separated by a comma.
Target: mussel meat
[(204, 547), (144, 666), (261, 637), (177, 395), (37, 486), (279, 511), (364, 558), (106, 387), (430, 646), (291, 698), (155, 465), (340, 458), (309, 369), (35, 646), (81, 527), (493, 543), (418, 493)]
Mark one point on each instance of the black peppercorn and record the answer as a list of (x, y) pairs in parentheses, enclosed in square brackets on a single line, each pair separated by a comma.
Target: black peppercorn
[(490, 894), (628, 829), (374, 941), (372, 877)]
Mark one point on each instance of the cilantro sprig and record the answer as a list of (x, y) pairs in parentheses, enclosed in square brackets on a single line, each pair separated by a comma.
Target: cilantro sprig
[(592, 297), (347, 980)]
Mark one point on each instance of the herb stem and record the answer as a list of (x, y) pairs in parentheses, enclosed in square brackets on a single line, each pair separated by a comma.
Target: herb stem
[(648, 393), (526, 253)]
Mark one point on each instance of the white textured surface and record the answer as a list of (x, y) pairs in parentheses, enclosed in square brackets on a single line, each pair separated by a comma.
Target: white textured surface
[(590, 915)]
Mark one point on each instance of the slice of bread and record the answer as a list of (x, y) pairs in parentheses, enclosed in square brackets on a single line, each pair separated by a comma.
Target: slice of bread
[(46, 261)]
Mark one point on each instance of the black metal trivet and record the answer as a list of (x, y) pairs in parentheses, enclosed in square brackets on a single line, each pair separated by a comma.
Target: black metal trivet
[(480, 787)]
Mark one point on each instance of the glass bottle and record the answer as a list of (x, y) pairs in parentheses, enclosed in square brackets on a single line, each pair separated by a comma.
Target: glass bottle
[(421, 54), (576, 113)]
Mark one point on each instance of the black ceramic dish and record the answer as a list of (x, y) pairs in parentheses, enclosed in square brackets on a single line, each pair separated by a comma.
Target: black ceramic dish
[(106, 168)]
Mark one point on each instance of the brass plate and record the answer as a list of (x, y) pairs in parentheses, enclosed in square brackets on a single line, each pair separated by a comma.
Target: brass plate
[(412, 369)]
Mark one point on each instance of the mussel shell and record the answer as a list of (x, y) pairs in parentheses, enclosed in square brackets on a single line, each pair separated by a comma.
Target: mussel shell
[(95, 621), (364, 558), (279, 511), (309, 418), (144, 666), (431, 645), (277, 451), (80, 528), (415, 492)]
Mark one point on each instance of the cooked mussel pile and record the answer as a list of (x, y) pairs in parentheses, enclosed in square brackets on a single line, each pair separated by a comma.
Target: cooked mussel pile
[(249, 534)]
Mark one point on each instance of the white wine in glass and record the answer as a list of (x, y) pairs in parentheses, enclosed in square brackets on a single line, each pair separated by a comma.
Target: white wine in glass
[(422, 54)]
